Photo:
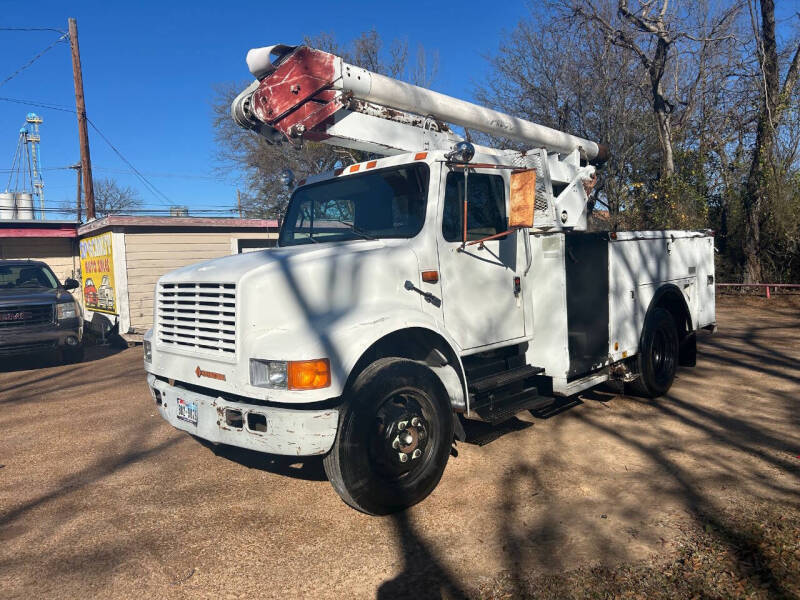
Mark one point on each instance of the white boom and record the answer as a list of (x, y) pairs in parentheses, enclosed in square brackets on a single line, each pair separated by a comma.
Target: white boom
[(306, 93)]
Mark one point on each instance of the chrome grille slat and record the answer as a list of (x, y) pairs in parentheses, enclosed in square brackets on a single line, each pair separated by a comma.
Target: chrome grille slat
[(198, 315)]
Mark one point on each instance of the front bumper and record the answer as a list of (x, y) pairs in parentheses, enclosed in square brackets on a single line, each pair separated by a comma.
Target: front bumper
[(289, 432), (39, 338)]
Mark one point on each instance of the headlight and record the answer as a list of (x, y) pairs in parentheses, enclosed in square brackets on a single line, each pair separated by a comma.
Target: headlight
[(148, 351), (268, 373), (66, 310), (293, 375)]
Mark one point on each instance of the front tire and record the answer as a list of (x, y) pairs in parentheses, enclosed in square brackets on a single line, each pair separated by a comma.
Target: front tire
[(394, 439), (72, 355), (658, 355)]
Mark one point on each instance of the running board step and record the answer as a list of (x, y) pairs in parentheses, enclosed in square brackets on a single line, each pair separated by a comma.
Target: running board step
[(502, 379), (498, 411)]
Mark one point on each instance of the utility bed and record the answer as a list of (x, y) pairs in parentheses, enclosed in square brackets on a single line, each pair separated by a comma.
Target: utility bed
[(592, 291)]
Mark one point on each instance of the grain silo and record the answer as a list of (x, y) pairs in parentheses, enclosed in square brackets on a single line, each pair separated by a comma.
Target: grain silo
[(7, 206), (24, 201)]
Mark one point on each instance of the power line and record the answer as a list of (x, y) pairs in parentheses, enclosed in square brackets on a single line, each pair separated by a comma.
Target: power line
[(38, 104), (167, 175), (32, 29), (153, 189), (31, 61)]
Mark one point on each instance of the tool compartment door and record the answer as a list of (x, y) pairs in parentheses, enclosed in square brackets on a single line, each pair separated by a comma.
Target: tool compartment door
[(480, 303)]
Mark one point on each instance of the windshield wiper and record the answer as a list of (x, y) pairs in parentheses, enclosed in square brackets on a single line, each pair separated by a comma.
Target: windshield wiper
[(357, 231)]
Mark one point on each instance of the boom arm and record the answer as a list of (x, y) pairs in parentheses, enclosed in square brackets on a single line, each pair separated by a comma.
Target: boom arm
[(306, 93)]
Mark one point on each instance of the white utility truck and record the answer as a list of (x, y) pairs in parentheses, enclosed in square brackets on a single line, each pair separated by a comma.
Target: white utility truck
[(439, 281)]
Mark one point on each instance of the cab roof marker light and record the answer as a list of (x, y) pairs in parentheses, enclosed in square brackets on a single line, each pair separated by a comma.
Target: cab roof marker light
[(420, 156), (354, 168), (371, 164)]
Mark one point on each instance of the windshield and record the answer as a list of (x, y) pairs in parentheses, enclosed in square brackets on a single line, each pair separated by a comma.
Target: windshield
[(26, 276), (377, 204)]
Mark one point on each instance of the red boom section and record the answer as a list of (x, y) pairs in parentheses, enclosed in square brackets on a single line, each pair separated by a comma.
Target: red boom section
[(296, 97)]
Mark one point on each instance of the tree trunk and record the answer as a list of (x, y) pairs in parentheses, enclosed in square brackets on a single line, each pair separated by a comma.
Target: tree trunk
[(664, 128), (661, 107), (755, 188)]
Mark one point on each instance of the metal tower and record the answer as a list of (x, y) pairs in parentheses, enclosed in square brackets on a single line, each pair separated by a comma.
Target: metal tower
[(25, 177), (33, 140)]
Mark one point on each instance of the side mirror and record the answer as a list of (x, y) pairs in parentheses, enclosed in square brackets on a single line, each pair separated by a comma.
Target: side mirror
[(71, 284), (522, 199)]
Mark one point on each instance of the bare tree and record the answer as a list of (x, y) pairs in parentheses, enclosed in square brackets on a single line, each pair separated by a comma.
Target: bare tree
[(775, 98), (593, 89), (112, 198), (650, 31)]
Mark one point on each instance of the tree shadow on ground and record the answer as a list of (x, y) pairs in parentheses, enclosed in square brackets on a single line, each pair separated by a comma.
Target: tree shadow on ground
[(52, 358)]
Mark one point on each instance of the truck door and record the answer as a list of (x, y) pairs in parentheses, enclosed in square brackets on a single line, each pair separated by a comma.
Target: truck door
[(481, 303)]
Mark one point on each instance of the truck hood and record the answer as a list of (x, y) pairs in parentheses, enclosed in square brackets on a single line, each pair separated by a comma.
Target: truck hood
[(310, 285), (15, 296)]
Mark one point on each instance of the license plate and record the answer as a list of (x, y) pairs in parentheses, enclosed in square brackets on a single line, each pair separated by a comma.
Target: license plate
[(187, 411)]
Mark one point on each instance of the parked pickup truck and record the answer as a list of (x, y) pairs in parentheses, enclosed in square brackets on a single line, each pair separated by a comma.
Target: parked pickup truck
[(37, 313)]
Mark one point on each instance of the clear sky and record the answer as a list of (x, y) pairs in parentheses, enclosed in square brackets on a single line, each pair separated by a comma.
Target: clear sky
[(149, 68)]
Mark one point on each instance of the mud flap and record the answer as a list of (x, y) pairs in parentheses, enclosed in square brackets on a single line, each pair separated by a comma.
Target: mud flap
[(687, 352)]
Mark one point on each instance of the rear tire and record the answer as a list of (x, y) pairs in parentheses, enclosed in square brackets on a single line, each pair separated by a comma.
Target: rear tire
[(397, 407), (658, 355)]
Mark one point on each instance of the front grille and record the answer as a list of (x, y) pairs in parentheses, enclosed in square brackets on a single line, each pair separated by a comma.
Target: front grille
[(198, 315), (24, 315)]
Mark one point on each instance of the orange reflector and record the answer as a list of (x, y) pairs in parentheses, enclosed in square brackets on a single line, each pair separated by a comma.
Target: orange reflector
[(354, 168), (420, 156), (371, 164), (430, 276), (338, 172), (309, 374), (301, 182), (616, 346), (613, 235)]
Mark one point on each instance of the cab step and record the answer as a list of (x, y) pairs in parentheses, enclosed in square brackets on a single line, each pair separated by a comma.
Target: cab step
[(502, 409), (502, 379)]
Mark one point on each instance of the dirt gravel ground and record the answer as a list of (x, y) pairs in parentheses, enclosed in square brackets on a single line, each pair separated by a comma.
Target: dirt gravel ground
[(100, 498)]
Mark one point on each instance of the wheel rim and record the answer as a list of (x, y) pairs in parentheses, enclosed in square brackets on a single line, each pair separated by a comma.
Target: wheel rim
[(402, 440), (663, 355)]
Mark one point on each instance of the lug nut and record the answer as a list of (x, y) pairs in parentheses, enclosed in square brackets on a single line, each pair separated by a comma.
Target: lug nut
[(415, 422), (402, 425), (403, 457), (417, 453), (396, 443)]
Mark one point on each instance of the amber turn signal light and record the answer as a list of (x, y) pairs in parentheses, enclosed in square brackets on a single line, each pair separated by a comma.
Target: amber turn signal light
[(309, 374), (430, 276)]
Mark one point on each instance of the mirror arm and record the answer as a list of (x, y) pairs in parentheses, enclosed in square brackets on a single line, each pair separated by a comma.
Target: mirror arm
[(490, 237), (464, 234)]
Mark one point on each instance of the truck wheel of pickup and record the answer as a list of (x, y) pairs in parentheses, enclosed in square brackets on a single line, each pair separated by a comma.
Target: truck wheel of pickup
[(658, 355), (394, 439)]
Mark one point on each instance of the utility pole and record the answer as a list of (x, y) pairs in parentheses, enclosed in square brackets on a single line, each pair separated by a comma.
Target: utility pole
[(77, 168), (83, 132), (239, 202)]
